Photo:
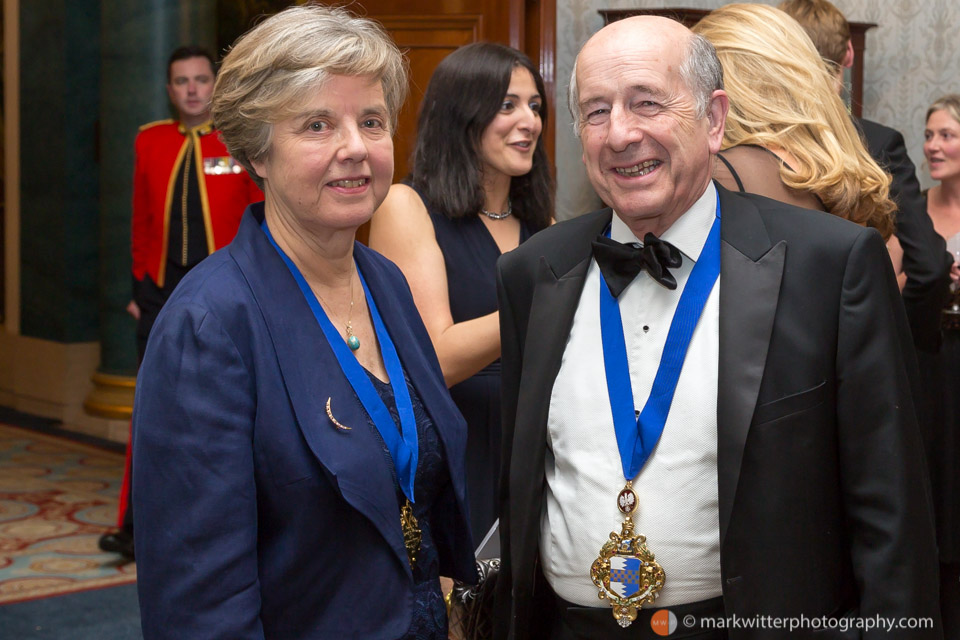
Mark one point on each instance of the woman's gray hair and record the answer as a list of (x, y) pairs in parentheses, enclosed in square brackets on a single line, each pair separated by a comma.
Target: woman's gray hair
[(273, 69), (700, 71)]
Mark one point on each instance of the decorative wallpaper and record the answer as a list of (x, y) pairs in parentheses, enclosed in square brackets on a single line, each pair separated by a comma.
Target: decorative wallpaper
[(911, 59)]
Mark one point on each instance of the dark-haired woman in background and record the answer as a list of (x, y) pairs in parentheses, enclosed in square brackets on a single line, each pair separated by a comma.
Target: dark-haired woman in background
[(480, 186)]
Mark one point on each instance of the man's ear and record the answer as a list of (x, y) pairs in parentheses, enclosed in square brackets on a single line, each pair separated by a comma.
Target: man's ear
[(848, 56), (717, 117)]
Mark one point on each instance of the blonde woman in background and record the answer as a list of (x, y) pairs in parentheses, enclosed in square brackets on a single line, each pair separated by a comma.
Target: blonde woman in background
[(788, 135), (941, 372)]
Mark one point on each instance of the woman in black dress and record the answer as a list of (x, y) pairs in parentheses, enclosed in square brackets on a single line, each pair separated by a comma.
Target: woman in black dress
[(480, 186), (941, 372)]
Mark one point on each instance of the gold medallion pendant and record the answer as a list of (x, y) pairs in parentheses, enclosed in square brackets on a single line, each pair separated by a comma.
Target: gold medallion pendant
[(626, 572), (411, 532)]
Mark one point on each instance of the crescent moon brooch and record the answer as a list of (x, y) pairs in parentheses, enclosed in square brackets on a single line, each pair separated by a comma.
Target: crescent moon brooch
[(341, 427)]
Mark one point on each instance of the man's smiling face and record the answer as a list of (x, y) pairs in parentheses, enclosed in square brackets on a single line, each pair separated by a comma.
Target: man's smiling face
[(647, 151)]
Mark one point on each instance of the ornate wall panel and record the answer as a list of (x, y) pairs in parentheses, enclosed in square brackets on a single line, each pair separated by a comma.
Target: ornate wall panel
[(912, 58)]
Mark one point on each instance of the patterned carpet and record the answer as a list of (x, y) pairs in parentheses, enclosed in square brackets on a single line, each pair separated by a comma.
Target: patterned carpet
[(56, 498)]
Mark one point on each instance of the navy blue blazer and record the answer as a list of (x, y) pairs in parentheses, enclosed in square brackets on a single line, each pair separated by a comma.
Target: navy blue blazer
[(254, 516)]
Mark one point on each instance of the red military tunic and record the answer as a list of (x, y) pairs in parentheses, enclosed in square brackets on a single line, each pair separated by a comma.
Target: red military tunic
[(225, 191)]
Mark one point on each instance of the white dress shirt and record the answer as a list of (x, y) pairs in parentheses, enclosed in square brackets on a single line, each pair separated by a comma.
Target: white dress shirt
[(677, 487)]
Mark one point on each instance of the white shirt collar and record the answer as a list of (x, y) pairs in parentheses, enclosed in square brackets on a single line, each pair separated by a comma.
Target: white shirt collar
[(688, 234)]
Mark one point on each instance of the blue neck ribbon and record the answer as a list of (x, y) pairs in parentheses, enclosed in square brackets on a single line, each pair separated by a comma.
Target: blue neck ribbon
[(402, 444), (638, 436)]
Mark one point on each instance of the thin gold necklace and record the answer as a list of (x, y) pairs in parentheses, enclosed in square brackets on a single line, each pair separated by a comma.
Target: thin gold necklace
[(352, 340)]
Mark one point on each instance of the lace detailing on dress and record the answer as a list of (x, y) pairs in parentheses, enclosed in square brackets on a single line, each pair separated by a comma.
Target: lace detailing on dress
[(429, 617)]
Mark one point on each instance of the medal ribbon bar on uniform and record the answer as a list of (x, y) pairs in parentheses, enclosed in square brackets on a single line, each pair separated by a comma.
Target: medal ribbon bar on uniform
[(637, 436), (402, 444)]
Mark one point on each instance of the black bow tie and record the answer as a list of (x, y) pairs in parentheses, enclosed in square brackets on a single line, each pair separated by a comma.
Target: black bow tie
[(620, 263)]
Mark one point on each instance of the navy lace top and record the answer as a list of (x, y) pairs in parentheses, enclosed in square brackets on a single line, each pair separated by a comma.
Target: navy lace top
[(429, 611)]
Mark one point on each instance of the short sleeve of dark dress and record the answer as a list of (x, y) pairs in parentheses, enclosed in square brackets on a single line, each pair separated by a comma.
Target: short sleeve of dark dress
[(470, 255)]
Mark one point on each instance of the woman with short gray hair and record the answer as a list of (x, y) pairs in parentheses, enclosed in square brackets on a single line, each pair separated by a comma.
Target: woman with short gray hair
[(299, 459), (273, 69)]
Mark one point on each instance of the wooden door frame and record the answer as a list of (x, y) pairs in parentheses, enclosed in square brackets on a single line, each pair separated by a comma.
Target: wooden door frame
[(533, 30), (538, 20)]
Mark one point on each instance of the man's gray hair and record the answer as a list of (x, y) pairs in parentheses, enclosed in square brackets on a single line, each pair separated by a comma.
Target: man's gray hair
[(700, 70)]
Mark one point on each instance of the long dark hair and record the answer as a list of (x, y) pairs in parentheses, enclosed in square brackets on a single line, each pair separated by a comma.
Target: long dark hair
[(463, 97)]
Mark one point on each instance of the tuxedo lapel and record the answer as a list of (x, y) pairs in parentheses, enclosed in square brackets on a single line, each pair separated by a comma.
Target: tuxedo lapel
[(749, 290), (554, 302), (312, 376)]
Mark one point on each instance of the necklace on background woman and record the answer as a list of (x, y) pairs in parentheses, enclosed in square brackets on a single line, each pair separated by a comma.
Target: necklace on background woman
[(493, 215)]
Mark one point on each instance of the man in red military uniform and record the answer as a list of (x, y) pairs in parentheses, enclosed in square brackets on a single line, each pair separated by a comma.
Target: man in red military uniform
[(188, 198), (188, 193)]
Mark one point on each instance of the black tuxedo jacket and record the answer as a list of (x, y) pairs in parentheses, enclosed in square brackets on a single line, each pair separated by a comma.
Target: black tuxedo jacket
[(925, 258), (824, 507)]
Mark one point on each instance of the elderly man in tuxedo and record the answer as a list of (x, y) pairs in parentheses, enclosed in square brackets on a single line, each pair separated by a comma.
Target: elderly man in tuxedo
[(705, 405)]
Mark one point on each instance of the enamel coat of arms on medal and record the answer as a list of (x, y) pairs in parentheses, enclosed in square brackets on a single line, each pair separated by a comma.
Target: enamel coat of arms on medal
[(626, 572)]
